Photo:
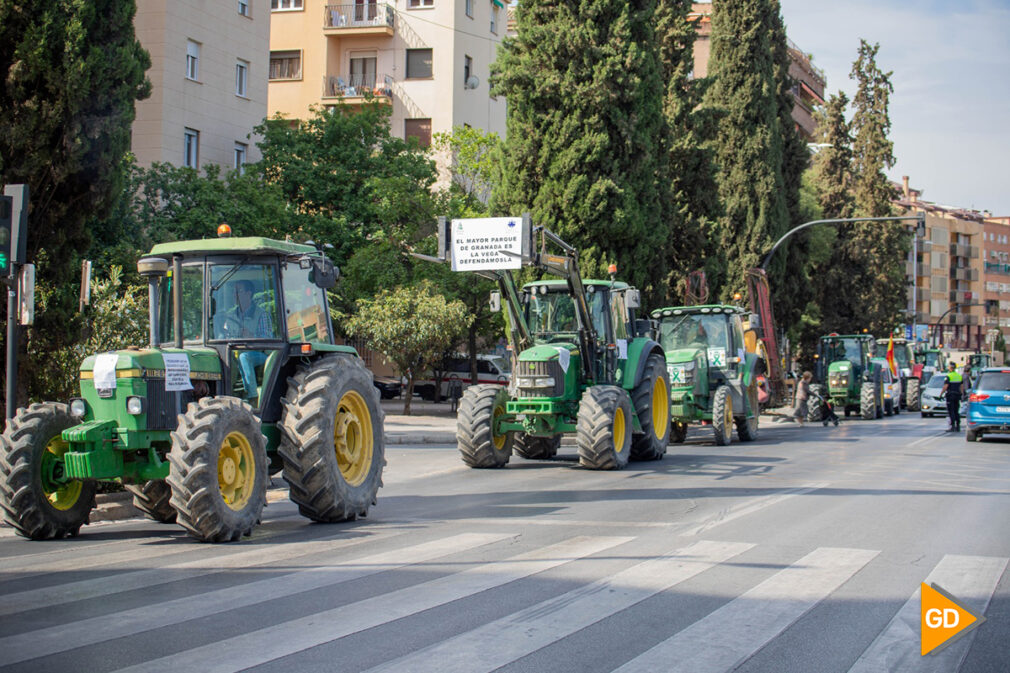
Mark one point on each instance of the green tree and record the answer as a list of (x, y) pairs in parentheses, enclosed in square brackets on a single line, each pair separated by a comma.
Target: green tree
[(833, 162), (475, 157), (71, 72), (691, 190), (413, 326), (750, 140), (585, 91), (343, 168)]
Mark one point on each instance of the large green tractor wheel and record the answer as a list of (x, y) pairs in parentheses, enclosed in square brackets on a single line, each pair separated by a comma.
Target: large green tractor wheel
[(331, 439), (678, 432), (868, 400), (815, 412), (535, 448), (747, 427), (35, 499), (722, 416), (479, 445), (153, 498), (603, 432), (652, 402), (912, 395), (218, 469)]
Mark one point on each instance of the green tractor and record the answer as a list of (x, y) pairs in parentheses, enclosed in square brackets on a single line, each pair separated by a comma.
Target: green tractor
[(241, 380), (976, 363), (847, 376), (583, 365), (933, 361), (712, 374)]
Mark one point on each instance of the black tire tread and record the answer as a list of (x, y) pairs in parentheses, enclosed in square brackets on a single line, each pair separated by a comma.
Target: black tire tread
[(868, 401), (473, 427), (913, 393), (594, 430), (719, 401), (535, 448), (153, 498), (650, 445), (309, 410), (23, 504)]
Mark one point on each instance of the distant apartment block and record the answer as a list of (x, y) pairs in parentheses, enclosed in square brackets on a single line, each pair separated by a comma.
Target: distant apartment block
[(209, 75), (809, 80), (953, 291), (429, 60)]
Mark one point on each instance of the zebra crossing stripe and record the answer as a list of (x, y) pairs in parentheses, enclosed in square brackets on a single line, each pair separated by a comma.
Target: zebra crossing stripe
[(972, 579), (503, 641), (32, 644), (258, 647), (734, 632), (213, 562)]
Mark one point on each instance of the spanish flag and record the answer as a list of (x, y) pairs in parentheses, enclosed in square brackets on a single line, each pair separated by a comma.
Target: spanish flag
[(890, 356)]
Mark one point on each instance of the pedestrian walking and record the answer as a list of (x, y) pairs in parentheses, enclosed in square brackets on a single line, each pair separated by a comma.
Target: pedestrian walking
[(802, 398), (952, 391)]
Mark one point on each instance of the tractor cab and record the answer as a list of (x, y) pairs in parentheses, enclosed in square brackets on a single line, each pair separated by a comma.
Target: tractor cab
[(933, 361), (842, 360)]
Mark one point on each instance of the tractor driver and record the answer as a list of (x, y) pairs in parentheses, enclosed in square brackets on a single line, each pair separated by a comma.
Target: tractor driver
[(700, 337), (246, 320)]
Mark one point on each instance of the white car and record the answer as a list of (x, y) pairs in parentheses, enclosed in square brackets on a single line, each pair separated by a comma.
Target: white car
[(892, 392), (930, 400)]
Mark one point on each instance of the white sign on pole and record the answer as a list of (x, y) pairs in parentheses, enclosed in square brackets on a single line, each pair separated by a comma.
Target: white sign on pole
[(177, 372), (477, 243)]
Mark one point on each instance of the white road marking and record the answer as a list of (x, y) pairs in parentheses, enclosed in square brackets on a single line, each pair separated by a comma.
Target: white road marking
[(502, 641), (258, 647), (65, 637), (727, 637), (970, 579)]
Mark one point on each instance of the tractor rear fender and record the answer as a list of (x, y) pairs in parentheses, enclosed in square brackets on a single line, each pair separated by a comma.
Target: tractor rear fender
[(639, 351)]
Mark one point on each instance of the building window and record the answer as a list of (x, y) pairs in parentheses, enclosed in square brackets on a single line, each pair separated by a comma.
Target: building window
[(414, 4), (243, 7), (363, 72), (192, 60), (468, 5), (191, 148), (285, 5), (418, 128), (241, 151), (467, 69), (285, 65), (494, 19), (418, 63), (241, 78)]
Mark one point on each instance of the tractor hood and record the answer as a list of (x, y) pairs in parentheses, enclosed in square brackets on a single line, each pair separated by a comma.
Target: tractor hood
[(544, 352), (685, 355), (150, 362)]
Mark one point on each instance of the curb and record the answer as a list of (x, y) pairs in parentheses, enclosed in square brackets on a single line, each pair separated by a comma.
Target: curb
[(422, 438)]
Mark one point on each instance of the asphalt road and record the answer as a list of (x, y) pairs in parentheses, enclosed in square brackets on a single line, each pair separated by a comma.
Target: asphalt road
[(803, 551)]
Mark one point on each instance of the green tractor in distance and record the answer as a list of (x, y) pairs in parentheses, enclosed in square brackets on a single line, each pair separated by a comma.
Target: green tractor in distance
[(712, 374), (241, 379), (582, 364), (933, 361), (976, 363), (847, 376)]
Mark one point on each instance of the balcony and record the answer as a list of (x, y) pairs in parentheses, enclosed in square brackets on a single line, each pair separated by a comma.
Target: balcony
[(962, 250), (960, 297), (923, 294), (964, 273), (356, 89), (365, 18)]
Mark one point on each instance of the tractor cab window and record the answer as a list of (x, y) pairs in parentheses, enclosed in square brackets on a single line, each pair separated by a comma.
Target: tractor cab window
[(694, 330), (619, 315), (305, 306), (844, 349), (243, 301), (928, 359), (192, 305), (551, 314), (901, 356)]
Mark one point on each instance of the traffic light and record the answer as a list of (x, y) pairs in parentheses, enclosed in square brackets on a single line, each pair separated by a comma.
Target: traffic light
[(6, 223)]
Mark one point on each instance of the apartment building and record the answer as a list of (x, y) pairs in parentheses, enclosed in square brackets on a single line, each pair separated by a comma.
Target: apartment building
[(209, 76), (809, 80), (996, 273), (429, 60), (948, 284)]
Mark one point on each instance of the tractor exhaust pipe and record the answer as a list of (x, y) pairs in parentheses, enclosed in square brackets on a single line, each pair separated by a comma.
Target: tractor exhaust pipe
[(177, 298)]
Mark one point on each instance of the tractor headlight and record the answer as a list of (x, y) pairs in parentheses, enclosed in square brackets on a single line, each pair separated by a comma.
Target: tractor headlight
[(135, 405), (536, 381), (78, 408)]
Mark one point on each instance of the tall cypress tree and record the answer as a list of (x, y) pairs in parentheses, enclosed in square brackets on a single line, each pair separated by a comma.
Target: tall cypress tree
[(879, 249), (585, 127), (750, 138), (833, 163), (70, 73), (692, 193)]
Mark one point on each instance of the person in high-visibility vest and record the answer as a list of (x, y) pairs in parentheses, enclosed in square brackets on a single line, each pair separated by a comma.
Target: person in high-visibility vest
[(952, 391)]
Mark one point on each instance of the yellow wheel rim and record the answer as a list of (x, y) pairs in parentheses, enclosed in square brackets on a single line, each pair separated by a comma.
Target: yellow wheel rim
[(497, 440), (660, 406), (728, 417), (619, 430), (352, 438), (236, 470), (61, 496)]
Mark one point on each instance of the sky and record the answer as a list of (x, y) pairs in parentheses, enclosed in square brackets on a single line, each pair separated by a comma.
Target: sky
[(950, 111)]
